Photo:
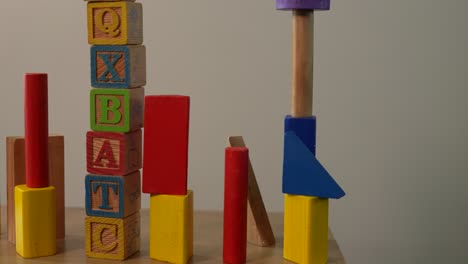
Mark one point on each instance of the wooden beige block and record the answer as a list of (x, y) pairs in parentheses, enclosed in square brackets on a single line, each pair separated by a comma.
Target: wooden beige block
[(113, 196), (115, 23), (112, 238), (16, 176), (259, 231)]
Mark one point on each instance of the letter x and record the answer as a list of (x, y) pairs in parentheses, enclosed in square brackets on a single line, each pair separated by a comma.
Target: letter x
[(110, 62)]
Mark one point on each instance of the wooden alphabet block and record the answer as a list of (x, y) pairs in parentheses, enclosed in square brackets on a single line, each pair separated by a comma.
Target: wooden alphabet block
[(115, 23), (113, 196), (117, 110), (165, 158), (171, 227), (35, 221), (118, 66), (305, 229), (110, 153), (16, 176), (112, 238)]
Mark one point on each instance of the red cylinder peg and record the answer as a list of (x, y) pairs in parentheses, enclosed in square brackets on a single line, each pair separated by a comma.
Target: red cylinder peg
[(36, 130), (235, 205)]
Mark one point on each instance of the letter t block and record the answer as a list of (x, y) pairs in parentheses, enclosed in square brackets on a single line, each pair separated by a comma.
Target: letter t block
[(117, 110)]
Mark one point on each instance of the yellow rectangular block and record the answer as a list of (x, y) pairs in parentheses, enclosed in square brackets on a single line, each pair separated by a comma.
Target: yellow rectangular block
[(112, 238), (305, 229), (115, 23), (35, 221), (171, 227)]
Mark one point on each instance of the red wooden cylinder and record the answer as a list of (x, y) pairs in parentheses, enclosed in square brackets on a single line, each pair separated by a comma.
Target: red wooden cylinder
[(36, 130), (235, 205)]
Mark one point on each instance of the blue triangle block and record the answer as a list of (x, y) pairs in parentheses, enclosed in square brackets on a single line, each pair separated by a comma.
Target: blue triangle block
[(303, 174)]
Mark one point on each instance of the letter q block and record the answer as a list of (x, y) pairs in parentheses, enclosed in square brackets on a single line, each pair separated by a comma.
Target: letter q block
[(113, 196), (117, 110), (115, 23), (113, 153), (112, 238)]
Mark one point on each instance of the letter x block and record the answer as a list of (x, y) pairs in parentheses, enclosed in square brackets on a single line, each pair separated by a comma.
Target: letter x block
[(113, 153), (115, 23), (118, 66), (113, 196), (112, 238), (117, 110)]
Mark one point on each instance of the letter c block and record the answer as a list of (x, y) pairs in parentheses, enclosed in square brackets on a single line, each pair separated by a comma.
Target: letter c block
[(117, 110), (112, 238), (115, 23), (113, 196)]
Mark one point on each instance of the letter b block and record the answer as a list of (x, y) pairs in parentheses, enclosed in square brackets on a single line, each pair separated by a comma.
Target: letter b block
[(113, 196), (115, 23), (112, 238), (117, 110), (113, 153), (118, 66)]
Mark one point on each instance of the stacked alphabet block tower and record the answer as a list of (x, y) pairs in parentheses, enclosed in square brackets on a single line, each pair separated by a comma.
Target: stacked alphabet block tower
[(307, 185), (165, 177), (114, 146)]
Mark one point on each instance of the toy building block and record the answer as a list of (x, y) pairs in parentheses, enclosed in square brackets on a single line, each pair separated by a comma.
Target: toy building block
[(305, 229), (305, 129), (115, 23), (118, 66), (113, 153), (113, 196), (171, 227), (117, 110), (165, 158), (235, 205), (303, 174), (35, 202), (259, 231), (35, 221), (303, 4), (112, 238), (16, 176)]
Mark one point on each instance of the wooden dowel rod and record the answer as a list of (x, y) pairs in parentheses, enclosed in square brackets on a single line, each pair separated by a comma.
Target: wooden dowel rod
[(302, 63)]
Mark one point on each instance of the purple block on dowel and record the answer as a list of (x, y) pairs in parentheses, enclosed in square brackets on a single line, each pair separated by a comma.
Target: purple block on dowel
[(303, 4)]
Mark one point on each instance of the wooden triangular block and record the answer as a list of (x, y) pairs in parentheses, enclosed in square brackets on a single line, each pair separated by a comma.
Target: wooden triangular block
[(259, 230)]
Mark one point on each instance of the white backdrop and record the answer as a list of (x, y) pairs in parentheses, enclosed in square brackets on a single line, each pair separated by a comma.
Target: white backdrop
[(390, 96)]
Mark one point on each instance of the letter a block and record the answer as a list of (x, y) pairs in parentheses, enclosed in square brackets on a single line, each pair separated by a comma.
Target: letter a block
[(117, 23), (112, 238), (118, 66), (305, 229), (113, 196), (117, 110), (113, 153), (171, 227), (35, 218)]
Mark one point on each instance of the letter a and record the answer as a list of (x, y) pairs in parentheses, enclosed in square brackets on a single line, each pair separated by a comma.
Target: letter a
[(106, 153)]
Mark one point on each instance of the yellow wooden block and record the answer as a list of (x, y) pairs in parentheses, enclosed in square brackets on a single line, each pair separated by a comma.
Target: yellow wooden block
[(305, 229), (112, 238), (35, 221), (115, 23), (171, 227)]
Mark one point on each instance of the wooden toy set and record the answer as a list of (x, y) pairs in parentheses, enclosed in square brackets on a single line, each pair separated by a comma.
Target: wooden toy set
[(114, 146), (114, 156)]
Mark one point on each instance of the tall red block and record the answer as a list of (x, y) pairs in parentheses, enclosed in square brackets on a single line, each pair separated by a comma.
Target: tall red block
[(36, 130), (235, 205), (165, 156)]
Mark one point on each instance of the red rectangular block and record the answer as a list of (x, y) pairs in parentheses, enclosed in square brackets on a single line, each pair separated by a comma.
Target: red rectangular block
[(166, 144), (109, 153)]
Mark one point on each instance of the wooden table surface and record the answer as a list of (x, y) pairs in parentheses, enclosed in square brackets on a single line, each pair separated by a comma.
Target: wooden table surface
[(208, 243)]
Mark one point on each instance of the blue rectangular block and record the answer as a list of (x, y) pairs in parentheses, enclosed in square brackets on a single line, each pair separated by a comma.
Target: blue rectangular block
[(113, 196), (118, 66), (305, 129)]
